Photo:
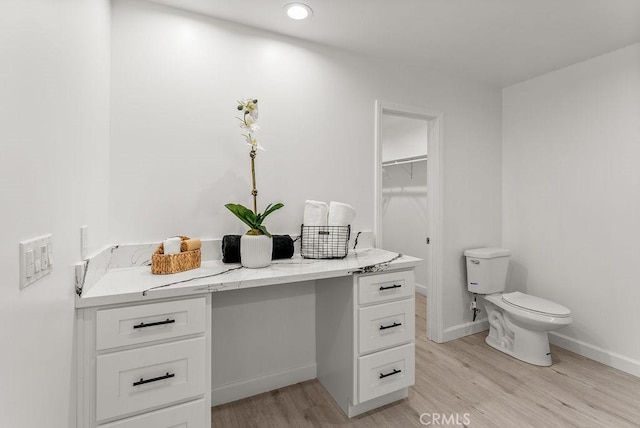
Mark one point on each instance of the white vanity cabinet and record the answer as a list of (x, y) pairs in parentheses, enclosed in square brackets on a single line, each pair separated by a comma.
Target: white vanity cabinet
[(144, 361), (145, 365), (365, 338)]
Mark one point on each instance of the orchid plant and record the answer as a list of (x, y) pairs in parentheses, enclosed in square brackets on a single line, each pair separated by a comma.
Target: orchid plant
[(249, 124)]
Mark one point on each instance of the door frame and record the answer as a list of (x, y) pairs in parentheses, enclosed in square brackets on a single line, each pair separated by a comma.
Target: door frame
[(435, 216)]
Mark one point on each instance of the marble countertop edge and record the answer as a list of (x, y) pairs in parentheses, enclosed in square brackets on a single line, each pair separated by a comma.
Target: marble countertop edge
[(138, 284)]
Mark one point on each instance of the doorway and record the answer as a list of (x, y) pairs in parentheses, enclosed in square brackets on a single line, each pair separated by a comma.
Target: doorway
[(408, 195)]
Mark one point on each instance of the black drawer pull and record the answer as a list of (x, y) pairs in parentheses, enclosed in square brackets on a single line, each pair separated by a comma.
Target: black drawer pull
[(155, 379), (390, 287), (395, 371), (395, 324), (151, 324)]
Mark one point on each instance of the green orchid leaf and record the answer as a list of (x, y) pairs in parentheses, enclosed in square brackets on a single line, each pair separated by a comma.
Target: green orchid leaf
[(271, 209), (262, 216), (264, 230), (244, 214), (251, 216), (247, 213)]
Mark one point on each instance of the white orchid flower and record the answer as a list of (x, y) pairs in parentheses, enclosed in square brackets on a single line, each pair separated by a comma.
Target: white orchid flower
[(249, 126), (253, 143), (248, 122), (252, 109)]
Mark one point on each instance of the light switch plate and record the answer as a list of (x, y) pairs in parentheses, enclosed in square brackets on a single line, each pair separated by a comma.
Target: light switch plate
[(84, 242), (35, 259)]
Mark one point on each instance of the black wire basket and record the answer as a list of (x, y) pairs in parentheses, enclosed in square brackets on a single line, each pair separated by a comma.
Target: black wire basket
[(324, 242)]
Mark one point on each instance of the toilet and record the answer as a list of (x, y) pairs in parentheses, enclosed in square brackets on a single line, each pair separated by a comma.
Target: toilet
[(518, 322)]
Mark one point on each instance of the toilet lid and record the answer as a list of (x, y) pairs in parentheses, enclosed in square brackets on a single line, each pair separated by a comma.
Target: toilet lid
[(535, 304)]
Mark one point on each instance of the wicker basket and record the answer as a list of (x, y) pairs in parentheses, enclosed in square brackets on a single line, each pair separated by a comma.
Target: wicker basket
[(162, 264)]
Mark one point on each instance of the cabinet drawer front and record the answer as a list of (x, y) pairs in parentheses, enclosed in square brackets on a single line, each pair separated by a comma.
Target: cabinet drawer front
[(194, 414), (385, 372), (144, 323), (385, 286), (139, 379), (386, 325)]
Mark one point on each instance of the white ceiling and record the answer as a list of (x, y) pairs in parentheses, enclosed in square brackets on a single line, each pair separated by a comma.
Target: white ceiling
[(501, 42)]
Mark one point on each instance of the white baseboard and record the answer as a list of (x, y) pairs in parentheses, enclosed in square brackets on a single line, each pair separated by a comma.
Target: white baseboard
[(609, 358), (466, 329), (246, 388), (421, 289)]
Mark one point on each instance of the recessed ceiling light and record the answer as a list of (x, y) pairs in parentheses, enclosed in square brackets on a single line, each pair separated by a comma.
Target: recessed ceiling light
[(298, 11)]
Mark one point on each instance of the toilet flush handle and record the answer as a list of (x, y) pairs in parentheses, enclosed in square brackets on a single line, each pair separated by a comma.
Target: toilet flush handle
[(475, 262)]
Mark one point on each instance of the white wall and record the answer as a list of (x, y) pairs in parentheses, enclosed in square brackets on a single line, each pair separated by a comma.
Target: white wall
[(176, 77), (404, 212), (264, 338), (572, 202), (54, 70), (403, 137)]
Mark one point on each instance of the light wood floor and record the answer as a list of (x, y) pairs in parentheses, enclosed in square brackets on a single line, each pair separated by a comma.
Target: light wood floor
[(458, 377)]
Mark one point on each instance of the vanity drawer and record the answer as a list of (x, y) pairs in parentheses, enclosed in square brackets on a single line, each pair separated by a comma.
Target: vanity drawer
[(139, 379), (385, 286), (194, 414), (385, 372), (132, 325), (385, 325)]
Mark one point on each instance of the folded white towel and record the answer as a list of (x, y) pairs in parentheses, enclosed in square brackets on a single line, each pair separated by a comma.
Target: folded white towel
[(315, 213), (172, 245), (340, 214)]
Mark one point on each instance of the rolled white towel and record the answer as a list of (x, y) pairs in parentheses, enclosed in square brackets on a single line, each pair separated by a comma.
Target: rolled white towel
[(340, 214), (172, 245), (315, 213)]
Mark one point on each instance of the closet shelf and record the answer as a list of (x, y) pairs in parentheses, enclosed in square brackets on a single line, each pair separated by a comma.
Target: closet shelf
[(402, 161)]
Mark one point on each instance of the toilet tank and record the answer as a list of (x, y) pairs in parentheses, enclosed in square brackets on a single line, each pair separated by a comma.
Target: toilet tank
[(487, 270)]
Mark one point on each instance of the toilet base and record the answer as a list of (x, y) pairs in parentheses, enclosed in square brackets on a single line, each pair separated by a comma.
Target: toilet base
[(529, 346)]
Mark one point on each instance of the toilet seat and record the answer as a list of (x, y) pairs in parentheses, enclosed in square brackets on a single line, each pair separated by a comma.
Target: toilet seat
[(536, 305)]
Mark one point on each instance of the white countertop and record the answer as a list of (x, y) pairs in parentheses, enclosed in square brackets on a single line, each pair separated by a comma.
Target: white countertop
[(139, 284)]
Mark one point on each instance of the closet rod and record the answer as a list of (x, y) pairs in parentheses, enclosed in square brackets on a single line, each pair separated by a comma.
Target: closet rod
[(402, 161)]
